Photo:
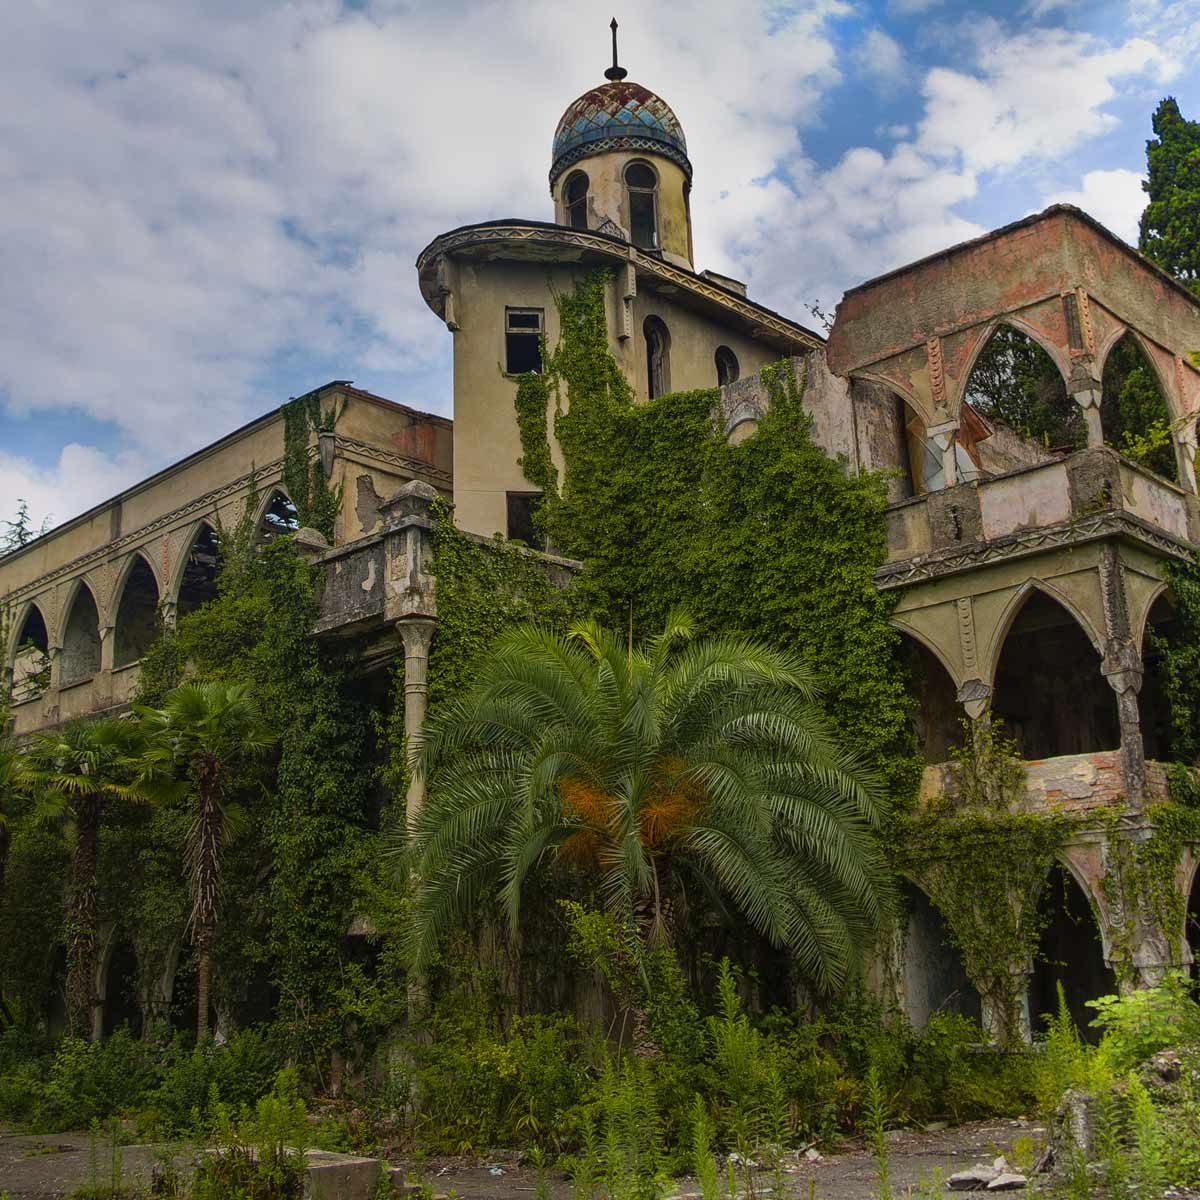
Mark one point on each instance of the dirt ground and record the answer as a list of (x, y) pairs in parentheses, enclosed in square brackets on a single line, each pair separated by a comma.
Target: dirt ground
[(50, 1167)]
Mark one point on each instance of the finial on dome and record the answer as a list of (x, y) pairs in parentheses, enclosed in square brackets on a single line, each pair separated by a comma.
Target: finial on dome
[(615, 72)]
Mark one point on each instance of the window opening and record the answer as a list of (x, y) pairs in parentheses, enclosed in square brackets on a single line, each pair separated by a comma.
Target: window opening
[(575, 196), (521, 528), (727, 366), (1133, 411), (199, 584), (136, 615), (522, 340), (642, 185), (81, 639), (280, 518), (31, 666), (658, 363)]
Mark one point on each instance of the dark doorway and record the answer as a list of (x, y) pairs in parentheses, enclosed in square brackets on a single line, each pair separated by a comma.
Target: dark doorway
[(1049, 691), (120, 991), (1162, 630), (1070, 952), (935, 979)]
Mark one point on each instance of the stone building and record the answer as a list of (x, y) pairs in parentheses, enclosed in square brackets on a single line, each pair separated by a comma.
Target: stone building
[(1027, 578)]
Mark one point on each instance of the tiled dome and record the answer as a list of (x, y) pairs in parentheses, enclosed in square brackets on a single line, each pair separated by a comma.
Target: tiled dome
[(615, 116)]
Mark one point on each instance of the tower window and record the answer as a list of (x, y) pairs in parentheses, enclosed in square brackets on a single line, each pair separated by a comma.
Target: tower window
[(575, 196), (522, 340), (658, 357), (642, 185), (727, 366)]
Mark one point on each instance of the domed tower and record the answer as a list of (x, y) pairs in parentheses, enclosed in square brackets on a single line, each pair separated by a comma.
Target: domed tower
[(620, 159)]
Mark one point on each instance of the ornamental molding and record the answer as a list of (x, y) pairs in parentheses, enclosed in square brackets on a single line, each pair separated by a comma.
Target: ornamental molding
[(138, 537), (377, 454), (768, 323), (1029, 541), (620, 142)]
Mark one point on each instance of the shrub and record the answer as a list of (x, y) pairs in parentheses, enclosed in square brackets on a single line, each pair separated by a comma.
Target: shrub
[(93, 1080), (1140, 1024)]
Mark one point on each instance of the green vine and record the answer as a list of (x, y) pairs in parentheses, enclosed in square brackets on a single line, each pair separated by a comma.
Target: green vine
[(532, 402), (770, 537), (317, 503)]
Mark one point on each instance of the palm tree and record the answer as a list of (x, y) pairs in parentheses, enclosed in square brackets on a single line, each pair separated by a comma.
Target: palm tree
[(206, 730), (79, 770), (701, 756), (14, 782)]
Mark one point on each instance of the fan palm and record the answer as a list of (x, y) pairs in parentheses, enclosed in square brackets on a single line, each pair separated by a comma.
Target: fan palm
[(79, 770), (207, 731), (709, 756)]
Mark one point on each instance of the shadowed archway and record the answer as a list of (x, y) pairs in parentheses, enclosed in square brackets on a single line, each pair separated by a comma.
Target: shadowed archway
[(1048, 690), (935, 979), (199, 582), (81, 638), (137, 615), (1070, 952)]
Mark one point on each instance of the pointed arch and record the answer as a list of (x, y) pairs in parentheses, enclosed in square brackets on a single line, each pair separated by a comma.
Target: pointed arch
[(28, 654), (136, 603), (1072, 950), (80, 637), (276, 517), (1036, 405), (909, 630), (1156, 623), (1047, 685), (195, 582), (1012, 611), (1136, 400)]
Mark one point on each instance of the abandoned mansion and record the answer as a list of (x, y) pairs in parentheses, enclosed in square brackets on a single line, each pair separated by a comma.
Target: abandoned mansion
[(1029, 574)]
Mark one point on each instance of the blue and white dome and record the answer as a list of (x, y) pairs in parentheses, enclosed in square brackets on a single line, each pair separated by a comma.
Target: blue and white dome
[(619, 115)]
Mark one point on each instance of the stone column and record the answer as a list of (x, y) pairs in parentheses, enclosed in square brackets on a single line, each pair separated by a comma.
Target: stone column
[(943, 437), (995, 1020), (1122, 667), (417, 633), (410, 605), (102, 684), (1086, 391)]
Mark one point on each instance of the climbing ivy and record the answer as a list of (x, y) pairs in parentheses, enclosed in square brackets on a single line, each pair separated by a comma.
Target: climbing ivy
[(317, 503), (532, 402), (771, 537)]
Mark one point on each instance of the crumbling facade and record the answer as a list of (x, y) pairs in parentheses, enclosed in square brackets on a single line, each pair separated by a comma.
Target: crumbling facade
[(1027, 579)]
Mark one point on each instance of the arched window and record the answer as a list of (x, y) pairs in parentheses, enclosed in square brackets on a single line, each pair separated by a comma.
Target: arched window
[(81, 639), (642, 185), (199, 583), (1014, 381), (1133, 412), (658, 357), (31, 664), (279, 519), (575, 195), (727, 366), (136, 615)]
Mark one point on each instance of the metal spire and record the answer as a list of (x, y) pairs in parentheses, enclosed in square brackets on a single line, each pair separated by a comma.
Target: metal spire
[(615, 72)]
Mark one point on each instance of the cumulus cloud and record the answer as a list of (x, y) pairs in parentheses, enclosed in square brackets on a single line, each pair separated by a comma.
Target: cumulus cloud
[(193, 194), (881, 58), (1115, 198), (1037, 95)]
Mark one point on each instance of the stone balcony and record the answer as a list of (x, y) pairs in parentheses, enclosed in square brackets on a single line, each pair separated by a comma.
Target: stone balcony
[(1076, 783), (1087, 496)]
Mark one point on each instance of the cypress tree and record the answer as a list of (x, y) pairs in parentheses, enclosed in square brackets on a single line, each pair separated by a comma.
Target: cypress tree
[(1170, 226)]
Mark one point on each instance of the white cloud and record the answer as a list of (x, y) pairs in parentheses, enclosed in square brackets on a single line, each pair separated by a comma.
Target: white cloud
[(1038, 95), (81, 477), (1115, 198), (881, 58), (1037, 10), (193, 193)]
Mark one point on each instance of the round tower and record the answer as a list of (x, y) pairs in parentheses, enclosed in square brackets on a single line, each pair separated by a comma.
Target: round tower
[(620, 166)]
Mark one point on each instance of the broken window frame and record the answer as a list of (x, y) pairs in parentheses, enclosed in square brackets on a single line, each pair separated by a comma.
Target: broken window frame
[(658, 356), (729, 370), (575, 201), (523, 339)]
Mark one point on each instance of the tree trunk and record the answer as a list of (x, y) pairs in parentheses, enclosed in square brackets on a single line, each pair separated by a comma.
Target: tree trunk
[(82, 921), (209, 834), (203, 974)]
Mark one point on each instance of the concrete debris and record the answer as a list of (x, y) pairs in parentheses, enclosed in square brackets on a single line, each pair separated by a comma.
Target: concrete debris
[(814, 1155), (1007, 1181)]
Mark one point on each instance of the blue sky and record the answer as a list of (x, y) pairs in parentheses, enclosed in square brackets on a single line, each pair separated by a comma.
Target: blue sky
[(207, 206)]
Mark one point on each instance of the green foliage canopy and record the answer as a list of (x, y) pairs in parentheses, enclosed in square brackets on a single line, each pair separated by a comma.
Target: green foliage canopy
[(1170, 224)]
